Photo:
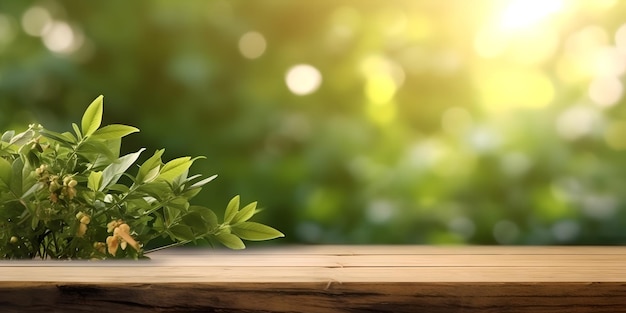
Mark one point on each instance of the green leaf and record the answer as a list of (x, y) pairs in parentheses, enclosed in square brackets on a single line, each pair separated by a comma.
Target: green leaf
[(158, 225), (34, 222), (32, 190), (255, 231), (114, 171), (174, 168), (231, 209), (207, 215), (7, 135), (195, 221), (17, 177), (93, 117), (178, 182), (22, 138), (138, 204), (63, 139), (244, 214), (171, 213), (119, 188), (114, 131), (203, 182), (182, 232), (149, 170), (191, 193), (158, 190), (112, 153), (5, 173), (31, 156), (179, 203), (94, 181), (70, 135), (142, 225), (93, 149), (230, 241), (79, 135)]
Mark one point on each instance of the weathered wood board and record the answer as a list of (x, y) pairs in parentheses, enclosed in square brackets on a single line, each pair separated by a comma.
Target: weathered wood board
[(327, 279)]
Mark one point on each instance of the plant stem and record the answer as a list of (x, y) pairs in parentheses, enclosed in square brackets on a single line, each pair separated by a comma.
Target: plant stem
[(176, 244)]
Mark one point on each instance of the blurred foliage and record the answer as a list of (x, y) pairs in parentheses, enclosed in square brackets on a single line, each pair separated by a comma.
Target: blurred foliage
[(435, 121)]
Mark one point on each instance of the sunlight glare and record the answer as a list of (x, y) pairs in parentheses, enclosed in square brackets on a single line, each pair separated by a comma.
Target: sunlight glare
[(511, 88), (520, 14)]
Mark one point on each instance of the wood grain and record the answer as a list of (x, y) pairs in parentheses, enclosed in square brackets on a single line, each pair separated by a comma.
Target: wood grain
[(327, 279)]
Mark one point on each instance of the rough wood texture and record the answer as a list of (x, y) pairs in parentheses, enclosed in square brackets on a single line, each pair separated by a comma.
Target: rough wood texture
[(328, 279)]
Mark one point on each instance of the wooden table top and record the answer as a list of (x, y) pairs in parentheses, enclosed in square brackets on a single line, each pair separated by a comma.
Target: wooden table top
[(329, 279), (341, 264)]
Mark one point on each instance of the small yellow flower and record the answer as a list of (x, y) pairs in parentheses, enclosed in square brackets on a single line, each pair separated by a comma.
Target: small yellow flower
[(84, 220), (42, 171), (113, 224), (123, 232), (121, 237), (112, 244), (67, 190)]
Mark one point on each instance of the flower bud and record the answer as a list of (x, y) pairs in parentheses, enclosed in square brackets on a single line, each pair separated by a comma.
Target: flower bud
[(13, 239), (68, 192), (82, 229), (54, 184), (100, 247), (112, 225), (85, 220)]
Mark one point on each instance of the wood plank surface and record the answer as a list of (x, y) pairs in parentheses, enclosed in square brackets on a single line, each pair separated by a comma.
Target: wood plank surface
[(327, 279)]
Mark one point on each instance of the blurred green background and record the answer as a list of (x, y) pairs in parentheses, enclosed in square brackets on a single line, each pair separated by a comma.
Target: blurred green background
[(353, 121)]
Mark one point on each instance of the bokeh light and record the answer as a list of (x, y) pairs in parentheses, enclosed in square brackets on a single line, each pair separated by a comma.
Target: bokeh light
[(303, 79), (505, 232), (605, 91), (36, 21), (252, 45), (577, 121), (59, 38)]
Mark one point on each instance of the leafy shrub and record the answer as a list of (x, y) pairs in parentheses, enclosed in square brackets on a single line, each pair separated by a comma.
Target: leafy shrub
[(72, 196)]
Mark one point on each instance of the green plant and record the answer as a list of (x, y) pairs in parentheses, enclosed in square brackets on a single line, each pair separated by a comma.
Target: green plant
[(71, 196)]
